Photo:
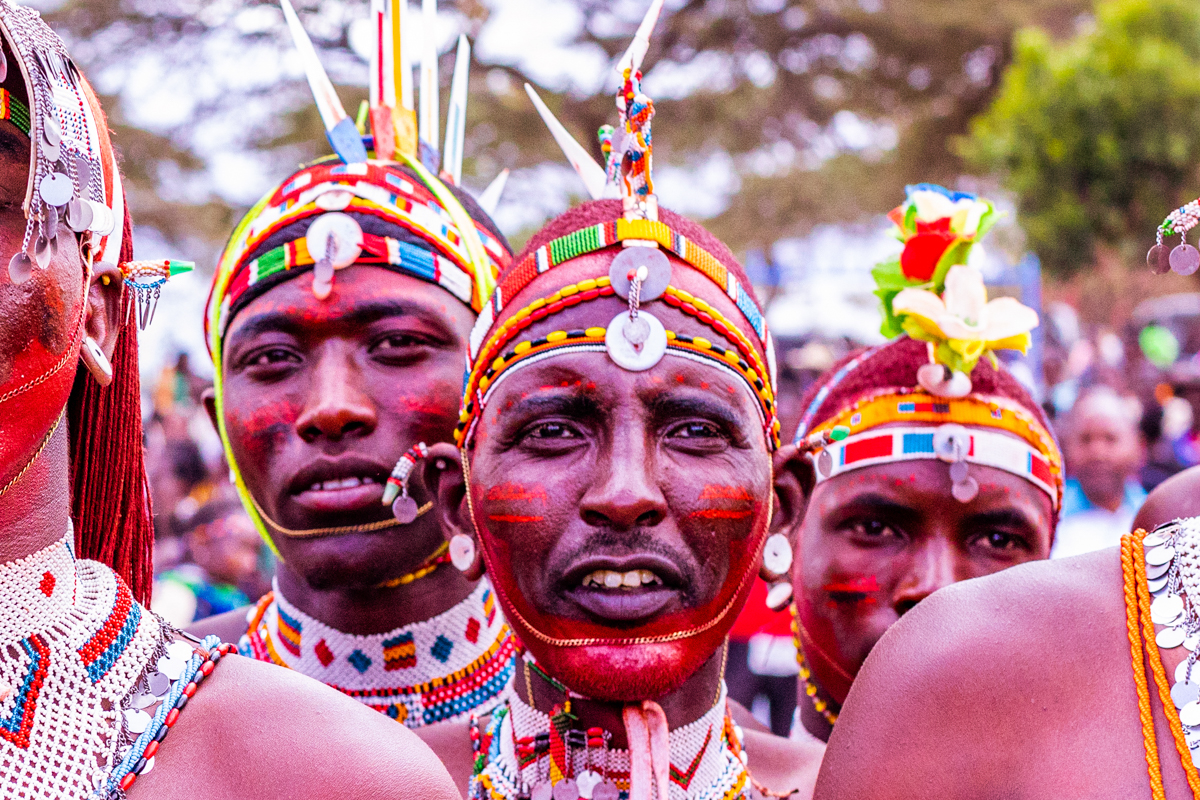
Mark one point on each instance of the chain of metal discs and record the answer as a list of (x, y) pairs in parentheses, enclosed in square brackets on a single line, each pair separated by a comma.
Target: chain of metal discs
[(68, 185), (1184, 259), (1173, 574)]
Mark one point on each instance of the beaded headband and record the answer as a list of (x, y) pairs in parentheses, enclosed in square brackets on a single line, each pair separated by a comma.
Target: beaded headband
[(73, 174), (962, 436), (640, 273), (1184, 259), (363, 184)]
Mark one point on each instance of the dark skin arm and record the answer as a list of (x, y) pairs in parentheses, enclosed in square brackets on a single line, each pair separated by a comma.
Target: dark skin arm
[(254, 730)]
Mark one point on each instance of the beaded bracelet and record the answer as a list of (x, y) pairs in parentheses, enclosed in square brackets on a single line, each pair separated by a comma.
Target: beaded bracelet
[(182, 690)]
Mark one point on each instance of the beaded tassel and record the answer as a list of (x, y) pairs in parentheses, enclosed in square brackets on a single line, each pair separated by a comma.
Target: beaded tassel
[(146, 279), (395, 493), (1183, 259)]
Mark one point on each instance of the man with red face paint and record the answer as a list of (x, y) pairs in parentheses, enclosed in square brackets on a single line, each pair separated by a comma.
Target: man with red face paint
[(939, 478), (338, 323), (615, 481), (100, 698)]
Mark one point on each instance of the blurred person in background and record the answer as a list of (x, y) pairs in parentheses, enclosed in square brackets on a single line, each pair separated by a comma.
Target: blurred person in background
[(1104, 452), (928, 472), (761, 666), (178, 487), (225, 569)]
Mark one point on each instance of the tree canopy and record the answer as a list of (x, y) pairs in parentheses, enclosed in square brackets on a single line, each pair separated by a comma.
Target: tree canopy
[(1098, 136)]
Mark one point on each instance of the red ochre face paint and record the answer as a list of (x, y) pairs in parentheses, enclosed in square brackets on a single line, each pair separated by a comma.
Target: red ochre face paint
[(715, 492), (853, 585), (517, 491), (719, 513)]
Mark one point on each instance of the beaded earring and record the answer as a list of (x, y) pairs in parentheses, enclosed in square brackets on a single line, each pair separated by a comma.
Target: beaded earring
[(395, 493), (1184, 259)]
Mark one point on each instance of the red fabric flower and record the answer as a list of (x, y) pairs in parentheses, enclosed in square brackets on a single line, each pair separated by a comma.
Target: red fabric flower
[(923, 251)]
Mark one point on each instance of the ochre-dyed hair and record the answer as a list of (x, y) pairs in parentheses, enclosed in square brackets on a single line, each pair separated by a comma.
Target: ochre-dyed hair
[(598, 211), (894, 366), (110, 498)]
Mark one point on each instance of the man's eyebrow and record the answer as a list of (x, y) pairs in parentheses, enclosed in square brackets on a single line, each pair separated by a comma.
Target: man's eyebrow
[(13, 143), (579, 406), (1010, 517), (675, 405), (364, 314)]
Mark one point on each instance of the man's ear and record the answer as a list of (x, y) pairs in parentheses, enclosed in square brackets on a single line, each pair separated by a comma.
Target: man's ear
[(442, 472), (209, 398), (794, 482), (102, 320)]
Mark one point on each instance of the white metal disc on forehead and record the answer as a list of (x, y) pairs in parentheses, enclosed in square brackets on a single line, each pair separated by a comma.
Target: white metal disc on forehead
[(335, 237), (623, 350)]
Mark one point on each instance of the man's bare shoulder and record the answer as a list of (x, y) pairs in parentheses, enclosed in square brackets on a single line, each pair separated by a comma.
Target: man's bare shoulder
[(256, 730), (1025, 650), (227, 627), (451, 743), (1175, 498), (784, 765)]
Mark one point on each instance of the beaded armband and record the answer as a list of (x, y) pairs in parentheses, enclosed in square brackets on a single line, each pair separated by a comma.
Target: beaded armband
[(172, 701)]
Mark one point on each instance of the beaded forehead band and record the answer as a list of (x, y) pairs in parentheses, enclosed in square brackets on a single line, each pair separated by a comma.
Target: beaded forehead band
[(367, 183), (641, 273), (1184, 259), (968, 432)]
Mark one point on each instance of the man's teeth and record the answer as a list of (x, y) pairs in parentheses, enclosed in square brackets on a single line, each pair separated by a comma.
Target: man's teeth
[(610, 579), (342, 483)]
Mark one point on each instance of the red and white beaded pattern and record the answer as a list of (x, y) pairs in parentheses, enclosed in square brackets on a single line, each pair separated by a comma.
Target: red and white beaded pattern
[(697, 748), (52, 608), (380, 671)]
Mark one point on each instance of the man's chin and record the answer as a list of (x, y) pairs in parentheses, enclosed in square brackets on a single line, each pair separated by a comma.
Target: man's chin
[(626, 673)]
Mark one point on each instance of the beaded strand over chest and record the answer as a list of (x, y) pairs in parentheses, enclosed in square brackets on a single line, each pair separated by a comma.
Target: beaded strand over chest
[(522, 753), (79, 658), (439, 669)]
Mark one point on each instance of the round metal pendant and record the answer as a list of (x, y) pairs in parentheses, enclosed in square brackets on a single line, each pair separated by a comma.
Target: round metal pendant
[(658, 272), (20, 267), (51, 133), (566, 790), (587, 782), (959, 471), (951, 442), (1191, 642), (3, 66), (1189, 715), (606, 791), (1184, 692), (56, 189), (1185, 259), (543, 791), (79, 215), (41, 251), (825, 464), (777, 555), (1169, 638), (1160, 555), (51, 152), (83, 171), (1166, 609), (625, 354), (1181, 671), (334, 200), (966, 491), (1156, 585), (1157, 570), (103, 220), (1153, 540), (335, 237), (404, 508), (1159, 259)]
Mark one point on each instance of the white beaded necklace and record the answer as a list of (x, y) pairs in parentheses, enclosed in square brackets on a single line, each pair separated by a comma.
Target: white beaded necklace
[(707, 759), (439, 669), (75, 664)]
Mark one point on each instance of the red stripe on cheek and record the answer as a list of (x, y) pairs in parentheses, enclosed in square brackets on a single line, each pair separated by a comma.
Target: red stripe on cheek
[(719, 513), (513, 518)]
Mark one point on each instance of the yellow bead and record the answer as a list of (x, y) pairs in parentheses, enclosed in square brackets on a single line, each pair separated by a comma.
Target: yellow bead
[(595, 333), (498, 363), (567, 291), (554, 298), (686, 296), (732, 357), (602, 282), (523, 347), (701, 342), (556, 336), (536, 304), (810, 690), (671, 336), (484, 383), (586, 286)]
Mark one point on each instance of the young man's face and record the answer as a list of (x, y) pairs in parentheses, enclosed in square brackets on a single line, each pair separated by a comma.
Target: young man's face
[(321, 397), (876, 541), (40, 320), (616, 506)]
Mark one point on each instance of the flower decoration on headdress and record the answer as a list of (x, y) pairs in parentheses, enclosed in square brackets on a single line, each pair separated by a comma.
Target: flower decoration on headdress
[(931, 293), (629, 148)]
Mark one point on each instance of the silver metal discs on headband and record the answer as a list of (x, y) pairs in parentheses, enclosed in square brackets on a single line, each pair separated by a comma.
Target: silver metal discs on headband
[(636, 340), (1183, 259)]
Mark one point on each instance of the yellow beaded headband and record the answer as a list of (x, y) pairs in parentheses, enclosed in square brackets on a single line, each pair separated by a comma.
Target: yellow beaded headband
[(961, 438)]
